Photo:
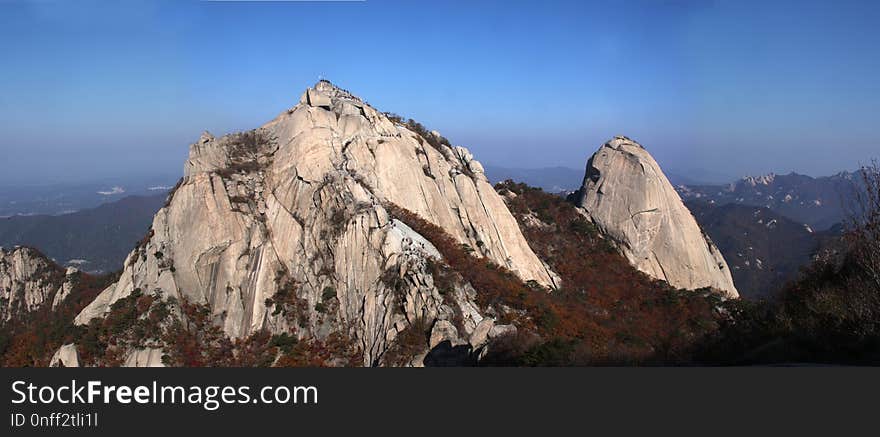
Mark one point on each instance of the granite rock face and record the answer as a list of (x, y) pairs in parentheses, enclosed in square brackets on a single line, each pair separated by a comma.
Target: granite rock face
[(147, 357), (27, 281), (300, 204), (629, 198), (65, 356), (66, 288)]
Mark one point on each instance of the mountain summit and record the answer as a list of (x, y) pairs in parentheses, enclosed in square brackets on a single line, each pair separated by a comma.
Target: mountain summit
[(627, 195), (294, 228), (28, 280)]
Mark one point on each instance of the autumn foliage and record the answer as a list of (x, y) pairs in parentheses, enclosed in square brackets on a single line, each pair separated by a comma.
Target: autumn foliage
[(602, 312), (32, 340), (605, 312), (830, 314)]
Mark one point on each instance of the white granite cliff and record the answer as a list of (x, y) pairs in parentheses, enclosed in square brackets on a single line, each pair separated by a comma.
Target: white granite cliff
[(28, 280), (630, 199), (302, 200)]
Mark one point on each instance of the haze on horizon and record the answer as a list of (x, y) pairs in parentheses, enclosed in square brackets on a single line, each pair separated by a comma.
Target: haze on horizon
[(98, 89)]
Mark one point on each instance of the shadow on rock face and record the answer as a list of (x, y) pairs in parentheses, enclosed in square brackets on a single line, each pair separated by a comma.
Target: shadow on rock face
[(447, 355)]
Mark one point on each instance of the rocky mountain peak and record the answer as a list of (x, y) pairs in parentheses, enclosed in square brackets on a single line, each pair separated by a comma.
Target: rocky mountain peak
[(759, 180), (621, 142), (291, 228), (27, 281), (325, 92), (627, 195)]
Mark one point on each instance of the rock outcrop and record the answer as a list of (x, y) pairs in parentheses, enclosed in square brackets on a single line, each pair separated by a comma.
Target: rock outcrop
[(146, 357), (629, 198), (297, 210), (66, 287), (65, 356), (27, 281)]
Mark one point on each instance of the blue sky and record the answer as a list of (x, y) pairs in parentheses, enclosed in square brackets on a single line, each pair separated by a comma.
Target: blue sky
[(104, 89)]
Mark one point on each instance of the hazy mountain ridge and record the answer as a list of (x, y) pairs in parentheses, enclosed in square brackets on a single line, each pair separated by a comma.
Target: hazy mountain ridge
[(818, 202), (66, 198), (94, 240)]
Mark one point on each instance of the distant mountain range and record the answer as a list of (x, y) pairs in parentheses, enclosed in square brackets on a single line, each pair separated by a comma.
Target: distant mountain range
[(818, 202), (56, 199), (768, 227), (94, 240), (692, 176)]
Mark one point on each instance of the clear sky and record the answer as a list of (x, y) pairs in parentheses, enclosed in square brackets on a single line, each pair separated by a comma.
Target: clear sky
[(95, 89)]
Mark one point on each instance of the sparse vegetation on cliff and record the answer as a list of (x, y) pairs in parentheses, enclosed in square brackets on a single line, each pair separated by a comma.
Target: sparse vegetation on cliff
[(31, 340), (438, 142), (607, 312), (245, 150)]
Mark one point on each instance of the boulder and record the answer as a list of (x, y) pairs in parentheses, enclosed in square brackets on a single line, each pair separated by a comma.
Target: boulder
[(481, 333), (442, 331), (502, 330), (316, 98), (65, 356)]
